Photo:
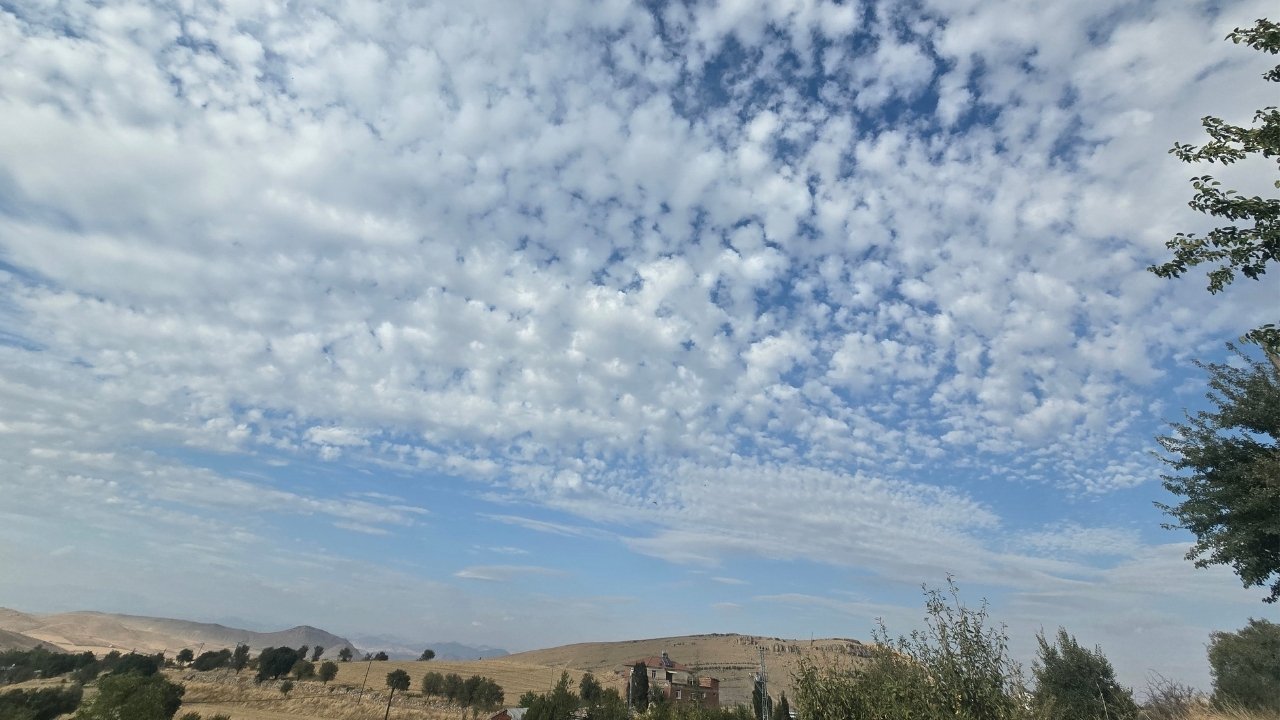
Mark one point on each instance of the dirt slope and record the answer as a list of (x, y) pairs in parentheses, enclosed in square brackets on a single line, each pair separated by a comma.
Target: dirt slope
[(103, 632)]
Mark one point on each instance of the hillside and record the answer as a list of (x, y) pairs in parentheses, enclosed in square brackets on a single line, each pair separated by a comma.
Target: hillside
[(17, 641), (732, 658), (103, 632)]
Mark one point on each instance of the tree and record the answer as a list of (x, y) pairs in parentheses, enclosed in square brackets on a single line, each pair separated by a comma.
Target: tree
[(433, 684), (274, 662), (559, 704), (761, 704), (240, 657), (135, 664), (302, 651), (638, 688), (328, 671), (344, 655), (396, 680), (41, 703), (286, 687), (1075, 683), (212, 660), (1246, 249), (316, 652), (382, 655), (185, 655), (1233, 489), (589, 689), (526, 700), (782, 711), (133, 696), (1245, 666), (303, 669), (957, 667), (427, 654)]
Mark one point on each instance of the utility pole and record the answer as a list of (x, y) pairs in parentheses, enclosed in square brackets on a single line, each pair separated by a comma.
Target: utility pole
[(366, 679), (762, 681)]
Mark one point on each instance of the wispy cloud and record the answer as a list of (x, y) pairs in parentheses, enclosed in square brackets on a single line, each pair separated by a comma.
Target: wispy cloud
[(505, 573)]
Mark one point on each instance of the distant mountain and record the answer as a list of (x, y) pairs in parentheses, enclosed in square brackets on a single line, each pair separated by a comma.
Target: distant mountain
[(400, 649), (103, 632)]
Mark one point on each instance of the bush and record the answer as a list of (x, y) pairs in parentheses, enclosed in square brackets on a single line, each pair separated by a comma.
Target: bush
[(1170, 700), (212, 660), (957, 668), (1246, 666), (41, 704), (1074, 683), (133, 696)]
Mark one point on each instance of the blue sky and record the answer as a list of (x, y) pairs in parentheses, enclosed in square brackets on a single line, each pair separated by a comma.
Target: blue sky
[(526, 324)]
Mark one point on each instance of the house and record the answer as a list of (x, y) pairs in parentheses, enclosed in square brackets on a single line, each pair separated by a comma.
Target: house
[(510, 714), (677, 682)]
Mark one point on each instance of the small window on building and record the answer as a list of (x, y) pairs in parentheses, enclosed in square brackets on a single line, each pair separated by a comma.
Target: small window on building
[(677, 694)]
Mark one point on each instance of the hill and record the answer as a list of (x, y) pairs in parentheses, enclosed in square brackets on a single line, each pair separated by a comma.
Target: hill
[(399, 649), (17, 641), (103, 632), (730, 657)]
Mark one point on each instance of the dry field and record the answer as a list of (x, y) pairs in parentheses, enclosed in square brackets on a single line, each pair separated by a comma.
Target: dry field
[(731, 658)]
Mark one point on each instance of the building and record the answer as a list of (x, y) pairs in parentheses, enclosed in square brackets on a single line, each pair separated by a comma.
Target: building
[(678, 683)]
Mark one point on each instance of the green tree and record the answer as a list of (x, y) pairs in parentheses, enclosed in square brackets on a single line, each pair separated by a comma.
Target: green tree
[(381, 656), (957, 668), (396, 680), (782, 711), (427, 654), (286, 687), (344, 655), (1232, 454), (559, 704), (316, 652), (40, 703), (1075, 683), (638, 687), (240, 657), (185, 655), (1252, 240), (761, 704), (328, 671), (303, 669), (133, 696), (274, 662), (589, 689), (1245, 666), (433, 684), (526, 700), (135, 664), (212, 660)]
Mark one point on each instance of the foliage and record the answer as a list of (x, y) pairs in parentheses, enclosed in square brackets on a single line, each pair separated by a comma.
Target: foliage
[(240, 657), (286, 687), (695, 711), (1233, 489), (1169, 700), (1246, 249), (274, 662), (344, 655), (958, 668), (212, 660), (1246, 666), (525, 700), (135, 664), (427, 654), (398, 680), (433, 684), (185, 655), (782, 711), (638, 689), (303, 669), (21, 665), (328, 671), (559, 704), (39, 704), (133, 696), (589, 689), (608, 705), (316, 652), (381, 656), (761, 704), (1075, 683)]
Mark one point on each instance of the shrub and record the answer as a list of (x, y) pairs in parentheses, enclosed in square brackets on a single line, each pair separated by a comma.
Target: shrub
[(1075, 683), (957, 668), (1246, 666), (133, 696)]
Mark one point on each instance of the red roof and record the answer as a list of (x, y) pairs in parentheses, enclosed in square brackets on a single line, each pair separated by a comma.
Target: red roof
[(654, 661)]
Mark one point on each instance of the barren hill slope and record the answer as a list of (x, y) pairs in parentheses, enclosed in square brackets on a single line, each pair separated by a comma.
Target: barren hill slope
[(732, 658), (17, 641), (103, 632)]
